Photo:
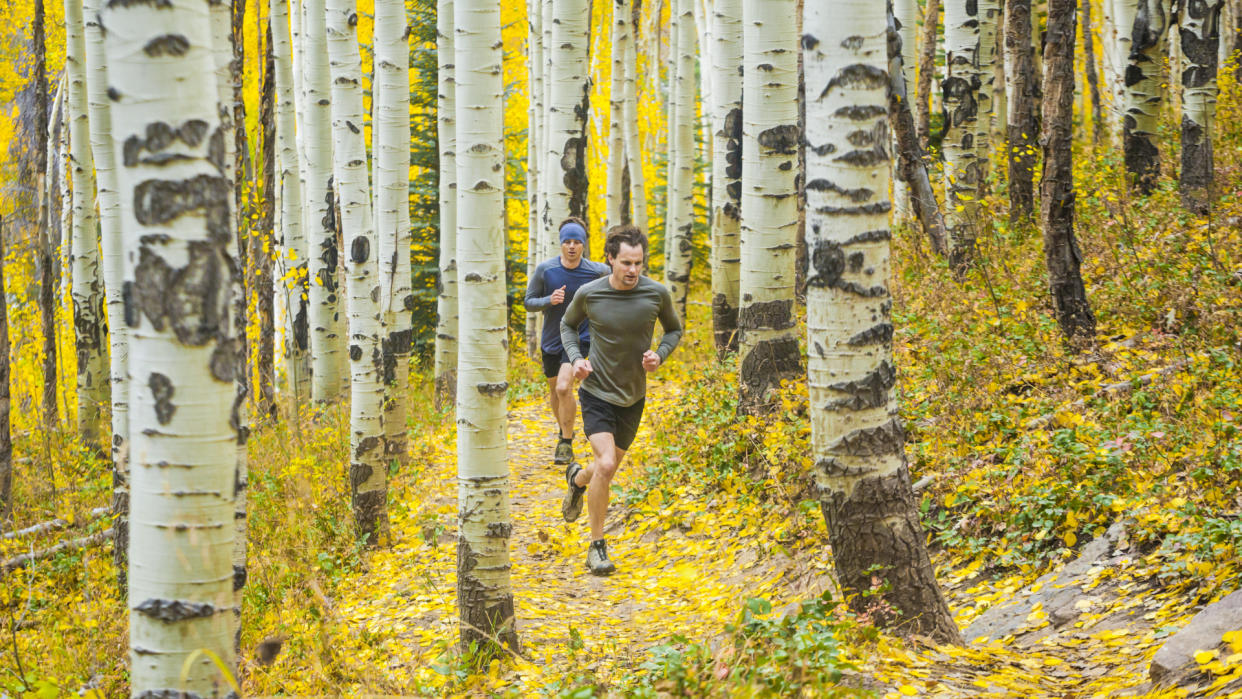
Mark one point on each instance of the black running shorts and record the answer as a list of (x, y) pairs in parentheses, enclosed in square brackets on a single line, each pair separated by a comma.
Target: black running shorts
[(598, 415), (552, 362)]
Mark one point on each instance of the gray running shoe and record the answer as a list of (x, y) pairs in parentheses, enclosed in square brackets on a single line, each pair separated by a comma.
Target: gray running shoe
[(571, 506), (564, 452), (597, 559)]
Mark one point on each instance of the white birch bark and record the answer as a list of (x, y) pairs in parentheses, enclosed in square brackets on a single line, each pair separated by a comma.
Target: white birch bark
[(534, 160), (567, 113), (325, 322), (484, 596), (547, 235), (1200, 41), (111, 245), (907, 14), (769, 223), (856, 434), (669, 95), (291, 290), (368, 472), (962, 169), (616, 113), (681, 190), (726, 172), (989, 19), (391, 146), (87, 285), (184, 347), (1120, 40), (1143, 93), (633, 146), (447, 326)]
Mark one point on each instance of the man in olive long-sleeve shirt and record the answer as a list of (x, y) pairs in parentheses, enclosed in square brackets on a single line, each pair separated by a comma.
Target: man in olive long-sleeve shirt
[(621, 309)]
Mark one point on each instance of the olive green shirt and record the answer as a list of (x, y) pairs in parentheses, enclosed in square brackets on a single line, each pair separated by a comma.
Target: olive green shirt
[(622, 324)]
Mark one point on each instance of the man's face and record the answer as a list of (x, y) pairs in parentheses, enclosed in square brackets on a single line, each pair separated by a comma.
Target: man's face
[(571, 250), (627, 266)]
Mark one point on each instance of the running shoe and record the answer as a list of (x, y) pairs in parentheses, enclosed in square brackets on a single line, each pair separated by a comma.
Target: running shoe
[(564, 452), (571, 506), (597, 559)]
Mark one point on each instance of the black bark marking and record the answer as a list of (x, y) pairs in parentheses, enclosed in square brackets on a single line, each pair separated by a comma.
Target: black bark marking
[(366, 445), (881, 334), (355, 353), (766, 364), (225, 360), (499, 530), (360, 249), (239, 577), (857, 196), (167, 45), (880, 207), (827, 265), (835, 469), (809, 42), (781, 140), (492, 390), (888, 439), (472, 277), (176, 609), (861, 113), (724, 324), (484, 624), (871, 391), (963, 93), (1142, 157), (193, 299), (574, 177), (857, 75), (157, 4), (775, 315), (359, 474), (162, 391)]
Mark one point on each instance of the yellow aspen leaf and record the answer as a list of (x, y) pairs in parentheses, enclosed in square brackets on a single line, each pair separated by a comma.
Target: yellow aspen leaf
[(907, 690), (1070, 538), (1203, 657)]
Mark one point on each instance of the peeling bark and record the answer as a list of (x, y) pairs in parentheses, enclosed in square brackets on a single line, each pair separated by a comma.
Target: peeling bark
[(962, 169), (1143, 93), (927, 68), (1024, 93), (1200, 39), (1093, 80), (1061, 252)]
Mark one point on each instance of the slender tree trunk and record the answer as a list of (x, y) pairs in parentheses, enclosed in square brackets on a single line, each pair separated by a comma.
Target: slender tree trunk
[(927, 69), (726, 173), (6, 439), (906, 13), (857, 438), (569, 101), (989, 19), (262, 245), (671, 181), (49, 244), (1069, 297), (112, 247), (1143, 93), (633, 146), (325, 322), (290, 239), (1023, 122), (616, 113), (484, 597), (47, 308), (88, 293), (391, 145), (1093, 80), (770, 137), (549, 167), (962, 109), (911, 167), (534, 160), (681, 201), (447, 327), (184, 427), (1121, 38), (368, 471), (1200, 37)]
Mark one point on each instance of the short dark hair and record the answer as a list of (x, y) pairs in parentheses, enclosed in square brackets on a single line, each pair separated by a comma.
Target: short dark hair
[(571, 219), (624, 233)]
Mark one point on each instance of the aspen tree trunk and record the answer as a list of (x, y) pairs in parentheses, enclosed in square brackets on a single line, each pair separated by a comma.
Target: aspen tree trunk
[(6, 438), (989, 17), (484, 597), (184, 429), (1069, 297), (534, 160), (616, 114), (391, 146), (671, 181), (1023, 120), (263, 245), (1143, 93), (447, 326), (88, 293), (1200, 37), (633, 147), (907, 15), (963, 111), (290, 238), (856, 434), (569, 95), (1093, 80), (910, 164), (681, 194), (1122, 39), (927, 69), (726, 172), (548, 168), (368, 471), (770, 137), (325, 322), (44, 149), (113, 260), (1000, 100)]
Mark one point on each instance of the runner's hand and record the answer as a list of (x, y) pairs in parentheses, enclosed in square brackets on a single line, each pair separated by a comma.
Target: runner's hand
[(582, 369), (558, 296), (651, 361)]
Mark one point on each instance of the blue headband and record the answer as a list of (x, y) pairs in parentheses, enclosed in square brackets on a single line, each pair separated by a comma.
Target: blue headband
[(573, 231)]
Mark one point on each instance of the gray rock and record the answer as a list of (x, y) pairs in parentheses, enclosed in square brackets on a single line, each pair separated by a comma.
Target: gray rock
[(1175, 660)]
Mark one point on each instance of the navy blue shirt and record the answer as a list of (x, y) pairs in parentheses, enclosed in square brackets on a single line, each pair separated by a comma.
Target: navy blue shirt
[(549, 276)]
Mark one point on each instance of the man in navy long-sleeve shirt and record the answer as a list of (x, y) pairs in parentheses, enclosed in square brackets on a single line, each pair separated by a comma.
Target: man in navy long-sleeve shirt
[(550, 290)]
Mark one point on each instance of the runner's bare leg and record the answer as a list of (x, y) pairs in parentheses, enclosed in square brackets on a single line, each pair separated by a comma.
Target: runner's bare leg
[(599, 477), (564, 407)]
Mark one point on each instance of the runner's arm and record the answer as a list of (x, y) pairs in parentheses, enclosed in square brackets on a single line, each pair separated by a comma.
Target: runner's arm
[(671, 325), (535, 298), (574, 315)]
